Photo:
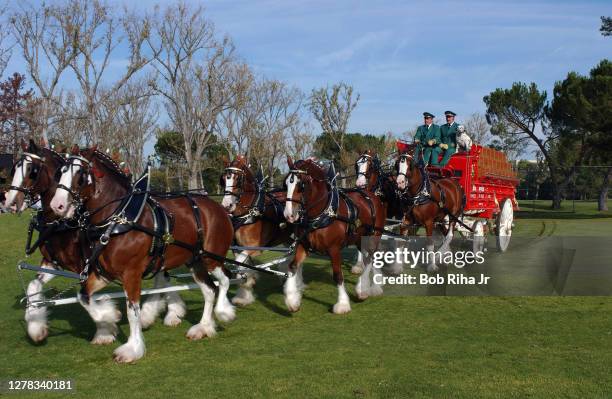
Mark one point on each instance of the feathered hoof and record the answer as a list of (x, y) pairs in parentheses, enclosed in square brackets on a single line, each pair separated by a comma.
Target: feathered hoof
[(128, 353), (357, 269), (244, 297), (200, 331), (103, 339), (37, 331), (342, 308), (172, 320), (226, 314), (375, 290)]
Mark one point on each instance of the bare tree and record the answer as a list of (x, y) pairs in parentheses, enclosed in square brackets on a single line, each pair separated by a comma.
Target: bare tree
[(69, 120), (478, 128), (300, 140), (134, 117), (238, 122), (332, 108), (47, 38), (194, 78), (6, 47), (99, 31), (280, 105)]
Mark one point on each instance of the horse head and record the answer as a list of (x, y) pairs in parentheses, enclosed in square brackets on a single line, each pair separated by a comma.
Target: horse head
[(88, 174), (366, 168), (405, 167), (302, 185), (237, 179), (32, 174)]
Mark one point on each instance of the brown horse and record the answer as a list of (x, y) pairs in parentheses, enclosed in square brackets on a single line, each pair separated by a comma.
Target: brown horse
[(328, 220), (429, 202), (58, 241), (94, 182), (257, 216)]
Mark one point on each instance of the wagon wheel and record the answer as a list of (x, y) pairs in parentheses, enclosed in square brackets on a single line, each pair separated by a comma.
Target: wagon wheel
[(503, 225), (478, 236)]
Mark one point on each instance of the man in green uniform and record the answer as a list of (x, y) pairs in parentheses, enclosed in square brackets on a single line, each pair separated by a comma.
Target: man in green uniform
[(448, 142), (428, 138)]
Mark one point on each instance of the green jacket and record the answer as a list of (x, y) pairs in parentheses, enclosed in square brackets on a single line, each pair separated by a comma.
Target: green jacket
[(424, 135), (449, 134)]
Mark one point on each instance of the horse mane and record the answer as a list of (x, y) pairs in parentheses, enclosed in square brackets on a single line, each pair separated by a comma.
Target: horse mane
[(54, 154), (241, 161), (312, 167), (113, 167)]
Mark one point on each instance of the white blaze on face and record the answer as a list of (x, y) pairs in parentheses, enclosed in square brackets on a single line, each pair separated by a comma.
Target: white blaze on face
[(362, 168), (291, 209), (13, 197), (61, 203), (229, 201), (403, 169)]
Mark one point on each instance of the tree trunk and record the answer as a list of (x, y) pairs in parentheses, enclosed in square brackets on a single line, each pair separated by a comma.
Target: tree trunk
[(194, 172), (602, 204)]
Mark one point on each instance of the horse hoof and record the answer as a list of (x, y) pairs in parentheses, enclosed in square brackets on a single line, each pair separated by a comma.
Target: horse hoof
[(147, 319), (200, 331), (103, 339), (226, 314), (293, 302), (38, 332), (342, 308), (127, 354), (172, 320), (243, 298), (357, 269), (375, 290)]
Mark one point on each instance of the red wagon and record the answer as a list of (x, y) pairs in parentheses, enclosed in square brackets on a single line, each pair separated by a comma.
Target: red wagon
[(489, 183)]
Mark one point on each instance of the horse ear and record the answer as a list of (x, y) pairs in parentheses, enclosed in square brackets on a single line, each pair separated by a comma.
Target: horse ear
[(74, 150), (24, 145), (226, 162), (32, 147), (289, 162), (94, 148)]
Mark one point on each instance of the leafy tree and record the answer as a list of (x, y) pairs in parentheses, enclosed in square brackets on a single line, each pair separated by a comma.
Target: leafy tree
[(518, 113), (581, 115), (606, 26)]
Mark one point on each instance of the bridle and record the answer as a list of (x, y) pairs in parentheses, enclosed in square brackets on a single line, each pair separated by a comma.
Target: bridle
[(33, 175), (237, 184), (364, 158), (304, 184), (85, 178), (256, 207)]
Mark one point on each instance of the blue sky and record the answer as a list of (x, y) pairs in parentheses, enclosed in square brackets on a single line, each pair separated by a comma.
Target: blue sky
[(408, 57)]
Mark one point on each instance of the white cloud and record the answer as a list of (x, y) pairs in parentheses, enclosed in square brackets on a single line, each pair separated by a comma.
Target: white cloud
[(347, 53)]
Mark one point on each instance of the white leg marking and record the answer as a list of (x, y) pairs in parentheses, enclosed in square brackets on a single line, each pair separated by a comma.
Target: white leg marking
[(207, 326), (134, 349), (343, 305), (245, 296), (431, 266), (176, 308), (376, 288), (224, 310), (293, 289), (106, 316), (36, 317), (358, 266), (153, 305), (362, 289)]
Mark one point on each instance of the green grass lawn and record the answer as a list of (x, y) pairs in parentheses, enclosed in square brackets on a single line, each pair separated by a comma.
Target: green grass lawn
[(455, 347)]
